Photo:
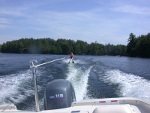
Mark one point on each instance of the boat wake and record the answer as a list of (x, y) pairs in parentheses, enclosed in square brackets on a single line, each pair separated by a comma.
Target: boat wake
[(13, 88), (89, 79), (75, 61), (130, 85), (79, 80)]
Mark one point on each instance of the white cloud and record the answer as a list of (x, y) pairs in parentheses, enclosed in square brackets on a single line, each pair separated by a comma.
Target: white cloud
[(3, 26), (4, 23), (133, 9), (108, 23)]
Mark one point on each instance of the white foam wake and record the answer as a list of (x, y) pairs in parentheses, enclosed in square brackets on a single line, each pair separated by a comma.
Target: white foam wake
[(79, 80), (76, 61), (131, 85), (11, 87)]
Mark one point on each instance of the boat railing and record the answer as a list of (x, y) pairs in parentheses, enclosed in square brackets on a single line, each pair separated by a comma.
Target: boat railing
[(34, 65)]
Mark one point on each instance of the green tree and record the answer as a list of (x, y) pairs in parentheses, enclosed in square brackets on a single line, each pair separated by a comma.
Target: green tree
[(131, 47)]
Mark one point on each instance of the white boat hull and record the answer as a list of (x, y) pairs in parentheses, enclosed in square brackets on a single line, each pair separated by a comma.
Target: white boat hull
[(106, 105)]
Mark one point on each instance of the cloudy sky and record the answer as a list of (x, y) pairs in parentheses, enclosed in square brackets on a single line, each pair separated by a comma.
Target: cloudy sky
[(104, 21)]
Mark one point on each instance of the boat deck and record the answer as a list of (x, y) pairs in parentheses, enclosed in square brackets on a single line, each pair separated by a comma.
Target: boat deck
[(110, 105)]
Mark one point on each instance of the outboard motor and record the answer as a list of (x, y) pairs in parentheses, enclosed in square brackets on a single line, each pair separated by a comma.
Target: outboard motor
[(58, 94)]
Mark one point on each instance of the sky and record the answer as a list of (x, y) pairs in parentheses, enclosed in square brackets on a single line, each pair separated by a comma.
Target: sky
[(101, 21)]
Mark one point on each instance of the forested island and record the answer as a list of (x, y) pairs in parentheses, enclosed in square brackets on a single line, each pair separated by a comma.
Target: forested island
[(136, 47)]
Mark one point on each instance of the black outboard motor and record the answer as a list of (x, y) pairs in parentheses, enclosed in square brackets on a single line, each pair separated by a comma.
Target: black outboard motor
[(58, 94)]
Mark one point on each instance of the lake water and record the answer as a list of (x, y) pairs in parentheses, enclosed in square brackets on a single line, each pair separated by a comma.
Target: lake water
[(91, 76)]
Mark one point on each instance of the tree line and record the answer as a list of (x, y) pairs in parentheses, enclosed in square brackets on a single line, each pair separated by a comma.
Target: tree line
[(139, 46), (61, 46), (136, 47)]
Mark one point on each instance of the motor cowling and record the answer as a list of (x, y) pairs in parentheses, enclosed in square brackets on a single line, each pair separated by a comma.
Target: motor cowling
[(59, 94)]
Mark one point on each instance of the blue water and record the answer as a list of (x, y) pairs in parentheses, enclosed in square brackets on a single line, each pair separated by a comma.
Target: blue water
[(91, 76)]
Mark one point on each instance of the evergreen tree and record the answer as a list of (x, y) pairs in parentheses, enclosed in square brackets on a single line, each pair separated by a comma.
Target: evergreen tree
[(131, 47)]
